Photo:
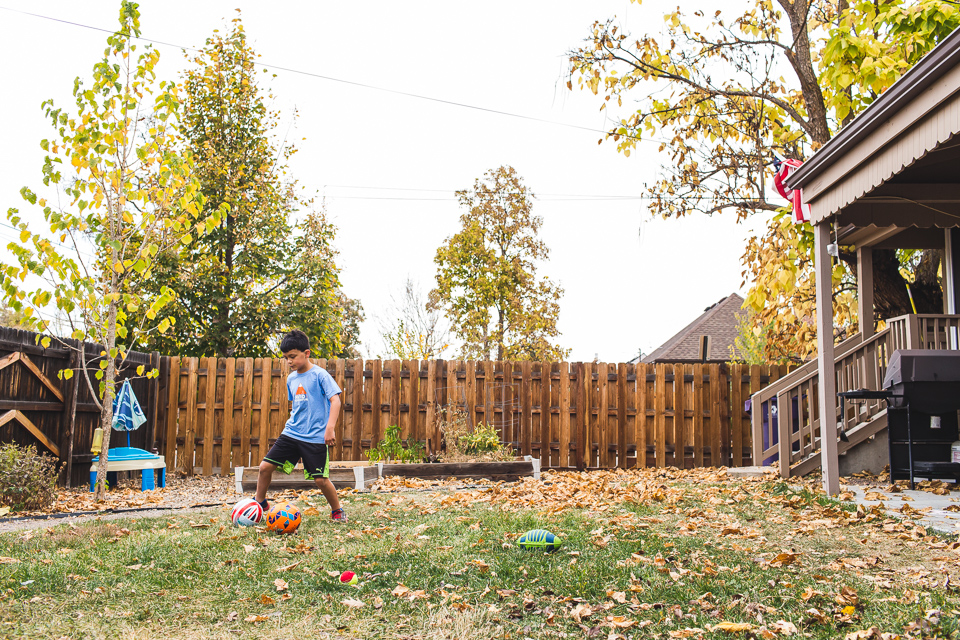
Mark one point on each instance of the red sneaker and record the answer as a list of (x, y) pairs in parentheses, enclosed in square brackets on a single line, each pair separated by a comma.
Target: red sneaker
[(339, 515)]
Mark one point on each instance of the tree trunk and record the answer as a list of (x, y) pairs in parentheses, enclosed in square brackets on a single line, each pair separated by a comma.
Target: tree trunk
[(802, 62), (106, 414), (499, 334), (891, 296)]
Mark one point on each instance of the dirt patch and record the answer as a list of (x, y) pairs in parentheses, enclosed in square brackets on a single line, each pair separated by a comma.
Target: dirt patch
[(181, 495)]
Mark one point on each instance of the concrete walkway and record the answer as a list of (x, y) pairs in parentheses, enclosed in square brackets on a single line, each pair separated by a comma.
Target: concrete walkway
[(936, 518)]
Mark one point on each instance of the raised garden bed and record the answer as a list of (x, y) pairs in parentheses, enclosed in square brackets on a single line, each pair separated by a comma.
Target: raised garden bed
[(509, 471), (360, 475)]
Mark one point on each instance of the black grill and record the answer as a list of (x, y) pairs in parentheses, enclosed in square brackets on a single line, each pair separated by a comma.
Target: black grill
[(923, 400)]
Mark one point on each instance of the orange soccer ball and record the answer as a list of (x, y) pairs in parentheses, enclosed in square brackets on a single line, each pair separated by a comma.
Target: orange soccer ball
[(283, 517)]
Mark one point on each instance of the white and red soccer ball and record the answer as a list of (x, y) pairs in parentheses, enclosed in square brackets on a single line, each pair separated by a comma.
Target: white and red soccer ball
[(247, 513)]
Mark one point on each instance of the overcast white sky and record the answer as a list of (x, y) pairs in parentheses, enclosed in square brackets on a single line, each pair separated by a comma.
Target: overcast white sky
[(388, 164)]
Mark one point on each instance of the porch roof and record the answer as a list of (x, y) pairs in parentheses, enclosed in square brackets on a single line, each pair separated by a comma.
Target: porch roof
[(894, 166)]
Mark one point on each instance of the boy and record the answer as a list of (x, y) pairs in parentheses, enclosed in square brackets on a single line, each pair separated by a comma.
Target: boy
[(311, 430)]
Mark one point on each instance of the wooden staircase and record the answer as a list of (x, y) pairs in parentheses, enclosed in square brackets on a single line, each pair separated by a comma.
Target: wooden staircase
[(785, 416)]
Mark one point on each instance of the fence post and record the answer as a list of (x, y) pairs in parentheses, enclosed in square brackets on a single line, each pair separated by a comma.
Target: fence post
[(736, 413), (172, 414), (153, 401), (679, 414), (622, 415), (659, 417), (580, 428), (68, 418)]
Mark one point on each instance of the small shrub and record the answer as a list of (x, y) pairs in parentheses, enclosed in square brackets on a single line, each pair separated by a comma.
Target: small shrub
[(483, 439), (28, 479), (394, 449)]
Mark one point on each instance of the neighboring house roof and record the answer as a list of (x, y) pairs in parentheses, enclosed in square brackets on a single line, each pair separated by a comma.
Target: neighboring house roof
[(719, 321)]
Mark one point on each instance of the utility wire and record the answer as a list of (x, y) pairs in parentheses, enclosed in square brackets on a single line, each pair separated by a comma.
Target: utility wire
[(343, 81), (564, 195), (600, 199)]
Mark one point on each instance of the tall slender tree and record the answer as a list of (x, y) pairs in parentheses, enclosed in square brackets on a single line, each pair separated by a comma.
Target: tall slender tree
[(257, 273), (487, 281), (128, 197)]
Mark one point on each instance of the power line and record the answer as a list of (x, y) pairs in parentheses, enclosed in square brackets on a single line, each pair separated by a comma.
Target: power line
[(600, 199), (565, 195), (348, 82)]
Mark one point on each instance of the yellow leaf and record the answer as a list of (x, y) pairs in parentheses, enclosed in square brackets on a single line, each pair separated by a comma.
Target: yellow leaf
[(732, 627)]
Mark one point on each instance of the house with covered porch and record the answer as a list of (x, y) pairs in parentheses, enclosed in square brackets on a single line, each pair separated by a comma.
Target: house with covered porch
[(889, 180)]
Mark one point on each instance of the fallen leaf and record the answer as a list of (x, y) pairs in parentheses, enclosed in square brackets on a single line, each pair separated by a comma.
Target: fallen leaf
[(581, 611), (288, 567), (400, 591), (281, 585), (731, 627), (783, 628), (6, 560), (247, 548), (847, 596), (350, 602), (256, 618), (265, 599), (784, 559), (233, 615)]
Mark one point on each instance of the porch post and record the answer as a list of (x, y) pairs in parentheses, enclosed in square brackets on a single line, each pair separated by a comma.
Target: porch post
[(865, 290), (825, 366), (951, 270)]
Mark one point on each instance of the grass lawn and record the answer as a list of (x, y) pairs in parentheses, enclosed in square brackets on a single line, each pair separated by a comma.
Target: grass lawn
[(645, 555)]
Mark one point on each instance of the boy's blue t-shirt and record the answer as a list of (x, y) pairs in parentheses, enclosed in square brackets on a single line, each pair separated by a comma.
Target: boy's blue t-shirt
[(310, 394)]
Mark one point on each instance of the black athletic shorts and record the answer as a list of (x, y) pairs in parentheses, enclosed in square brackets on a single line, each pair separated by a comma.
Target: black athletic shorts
[(287, 451)]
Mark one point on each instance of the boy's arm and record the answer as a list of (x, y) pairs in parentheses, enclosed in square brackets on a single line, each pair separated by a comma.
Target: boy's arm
[(330, 437)]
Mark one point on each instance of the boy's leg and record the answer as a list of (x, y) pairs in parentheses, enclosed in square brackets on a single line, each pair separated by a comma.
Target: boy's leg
[(283, 450), (329, 492), (316, 460), (264, 478)]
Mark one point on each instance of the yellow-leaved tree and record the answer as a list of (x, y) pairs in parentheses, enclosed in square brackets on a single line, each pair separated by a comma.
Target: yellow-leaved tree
[(127, 196), (726, 95)]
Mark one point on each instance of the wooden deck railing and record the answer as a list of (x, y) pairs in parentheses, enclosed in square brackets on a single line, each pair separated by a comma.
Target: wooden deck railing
[(925, 331), (792, 401), (765, 405)]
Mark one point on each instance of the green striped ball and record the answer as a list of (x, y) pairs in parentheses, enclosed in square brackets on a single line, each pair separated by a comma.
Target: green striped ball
[(539, 539)]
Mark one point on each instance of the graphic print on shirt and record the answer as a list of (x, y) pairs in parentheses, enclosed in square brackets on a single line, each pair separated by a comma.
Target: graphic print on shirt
[(299, 400)]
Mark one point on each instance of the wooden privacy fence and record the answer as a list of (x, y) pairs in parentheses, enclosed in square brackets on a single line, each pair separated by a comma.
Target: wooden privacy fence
[(36, 405), (221, 413)]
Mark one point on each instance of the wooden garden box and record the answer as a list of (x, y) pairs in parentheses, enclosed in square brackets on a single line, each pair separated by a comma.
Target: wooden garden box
[(358, 476)]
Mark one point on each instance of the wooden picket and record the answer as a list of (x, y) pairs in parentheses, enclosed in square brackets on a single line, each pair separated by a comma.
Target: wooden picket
[(220, 413)]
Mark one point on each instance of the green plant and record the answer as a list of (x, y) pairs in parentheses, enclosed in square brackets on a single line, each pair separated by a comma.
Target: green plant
[(395, 449), (28, 479), (483, 439)]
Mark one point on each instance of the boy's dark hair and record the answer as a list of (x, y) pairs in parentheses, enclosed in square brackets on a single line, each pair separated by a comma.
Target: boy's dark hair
[(296, 339)]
